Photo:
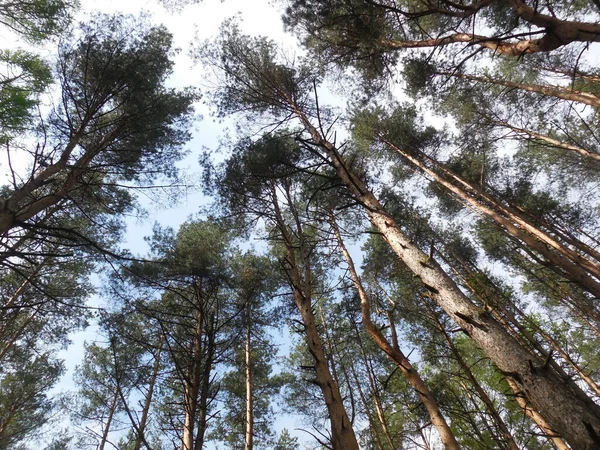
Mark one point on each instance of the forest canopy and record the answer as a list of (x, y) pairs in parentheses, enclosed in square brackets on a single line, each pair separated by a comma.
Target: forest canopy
[(400, 247)]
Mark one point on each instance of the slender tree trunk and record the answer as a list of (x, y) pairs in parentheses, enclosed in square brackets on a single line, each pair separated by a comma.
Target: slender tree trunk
[(14, 209), (563, 354), (191, 383), (563, 93), (577, 420), (409, 372), (333, 356), (342, 434), (376, 395), (373, 428), (140, 436), (548, 140), (249, 432), (537, 418), (16, 335), (111, 412), (205, 394), (187, 439), (510, 442)]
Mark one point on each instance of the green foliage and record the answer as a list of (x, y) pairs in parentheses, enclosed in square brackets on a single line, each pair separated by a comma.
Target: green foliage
[(347, 33), (26, 77), (286, 442), (115, 73), (418, 73), (253, 75), (24, 403), (38, 20)]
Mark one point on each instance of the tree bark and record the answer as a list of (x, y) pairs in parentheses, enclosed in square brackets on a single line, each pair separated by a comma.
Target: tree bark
[(249, 429), (563, 93), (111, 412), (407, 369), (376, 395), (192, 382), (373, 428), (538, 419), (203, 402), (571, 262), (548, 139), (140, 436), (342, 434), (510, 442)]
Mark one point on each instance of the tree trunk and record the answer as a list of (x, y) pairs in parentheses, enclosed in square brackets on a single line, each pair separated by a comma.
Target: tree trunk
[(510, 442), (538, 419), (191, 383), (249, 431), (550, 91), (571, 262), (376, 396), (342, 434), (140, 437), (548, 139), (373, 428), (563, 354), (409, 372), (205, 395), (111, 412)]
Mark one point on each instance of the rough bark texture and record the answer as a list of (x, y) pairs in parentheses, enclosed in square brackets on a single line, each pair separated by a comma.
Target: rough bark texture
[(407, 369), (342, 434), (537, 418), (555, 31), (575, 419)]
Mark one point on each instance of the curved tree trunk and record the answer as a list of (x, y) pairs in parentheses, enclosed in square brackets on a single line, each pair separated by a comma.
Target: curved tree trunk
[(396, 355)]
